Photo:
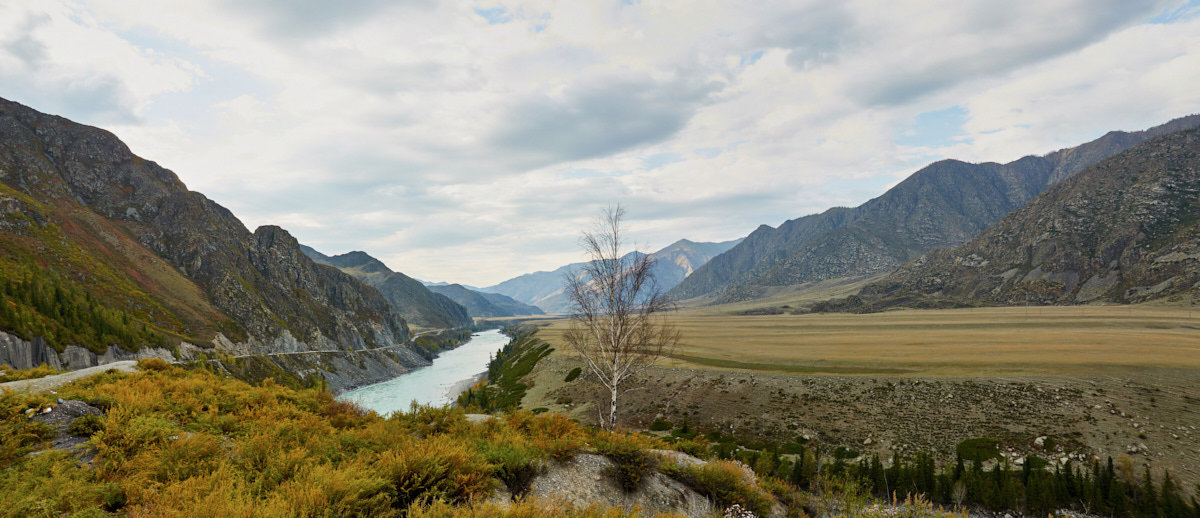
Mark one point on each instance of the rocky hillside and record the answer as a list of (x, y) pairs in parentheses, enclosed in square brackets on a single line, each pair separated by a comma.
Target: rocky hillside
[(1124, 230), (103, 248), (672, 264), (416, 303), (942, 205), (485, 305)]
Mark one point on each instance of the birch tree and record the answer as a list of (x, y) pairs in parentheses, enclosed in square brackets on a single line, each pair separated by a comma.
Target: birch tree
[(617, 325)]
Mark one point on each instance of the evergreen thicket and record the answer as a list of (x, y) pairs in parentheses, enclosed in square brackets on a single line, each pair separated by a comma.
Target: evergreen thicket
[(36, 302)]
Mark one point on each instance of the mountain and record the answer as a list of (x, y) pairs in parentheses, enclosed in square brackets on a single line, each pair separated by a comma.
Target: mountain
[(486, 304), (416, 303), (941, 205), (673, 263), (467, 286), (102, 247), (1124, 230)]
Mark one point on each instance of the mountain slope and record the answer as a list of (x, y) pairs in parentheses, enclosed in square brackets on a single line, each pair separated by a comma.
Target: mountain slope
[(942, 205), (1124, 230), (152, 263), (416, 303), (673, 263), (480, 304)]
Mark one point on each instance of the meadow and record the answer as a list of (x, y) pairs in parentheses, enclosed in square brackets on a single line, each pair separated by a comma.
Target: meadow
[(989, 342)]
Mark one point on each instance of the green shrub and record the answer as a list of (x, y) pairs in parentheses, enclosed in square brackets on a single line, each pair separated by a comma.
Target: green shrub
[(571, 376), (514, 464), (85, 426), (660, 425), (980, 448), (631, 462)]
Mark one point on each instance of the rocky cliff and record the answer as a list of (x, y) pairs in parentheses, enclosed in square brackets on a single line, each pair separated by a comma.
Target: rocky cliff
[(102, 247), (942, 205), (1124, 230), (415, 302)]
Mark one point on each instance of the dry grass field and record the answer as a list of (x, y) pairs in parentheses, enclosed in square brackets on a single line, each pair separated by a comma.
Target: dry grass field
[(1100, 380), (990, 342)]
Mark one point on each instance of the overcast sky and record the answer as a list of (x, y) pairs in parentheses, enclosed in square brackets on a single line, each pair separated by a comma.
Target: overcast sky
[(472, 141)]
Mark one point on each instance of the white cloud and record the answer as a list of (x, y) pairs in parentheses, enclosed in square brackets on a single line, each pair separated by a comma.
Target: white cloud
[(472, 147)]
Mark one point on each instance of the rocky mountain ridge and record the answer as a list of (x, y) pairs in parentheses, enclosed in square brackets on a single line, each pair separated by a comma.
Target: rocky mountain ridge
[(485, 305), (415, 302), (120, 248), (941, 205), (672, 264), (1125, 230)]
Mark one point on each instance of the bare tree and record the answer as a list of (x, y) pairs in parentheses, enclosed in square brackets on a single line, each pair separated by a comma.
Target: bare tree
[(617, 326)]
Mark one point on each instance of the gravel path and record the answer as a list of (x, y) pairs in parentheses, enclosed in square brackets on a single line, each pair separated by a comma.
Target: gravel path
[(57, 380)]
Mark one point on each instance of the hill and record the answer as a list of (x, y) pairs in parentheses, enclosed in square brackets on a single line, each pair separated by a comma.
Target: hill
[(481, 304), (416, 303), (672, 265), (939, 206), (102, 248), (1124, 230)]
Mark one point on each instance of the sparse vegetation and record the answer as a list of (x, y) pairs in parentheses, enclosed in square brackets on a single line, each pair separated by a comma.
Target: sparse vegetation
[(503, 389)]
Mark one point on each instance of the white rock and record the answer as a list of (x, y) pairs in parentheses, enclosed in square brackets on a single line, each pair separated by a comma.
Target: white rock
[(1040, 441)]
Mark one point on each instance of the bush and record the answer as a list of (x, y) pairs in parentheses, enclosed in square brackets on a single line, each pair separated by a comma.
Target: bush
[(660, 425), (514, 462), (85, 426), (631, 462), (571, 376), (980, 448), (153, 364), (724, 483), (10, 374)]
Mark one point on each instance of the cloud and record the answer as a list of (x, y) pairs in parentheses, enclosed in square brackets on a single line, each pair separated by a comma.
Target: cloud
[(470, 141), (604, 118), (61, 60), (933, 48), (295, 19)]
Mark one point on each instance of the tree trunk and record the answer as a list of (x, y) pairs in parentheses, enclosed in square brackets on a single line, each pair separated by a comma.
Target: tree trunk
[(612, 412)]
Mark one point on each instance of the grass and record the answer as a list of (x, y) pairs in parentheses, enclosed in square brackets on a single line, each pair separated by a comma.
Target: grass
[(987, 342), (176, 440), (8, 373)]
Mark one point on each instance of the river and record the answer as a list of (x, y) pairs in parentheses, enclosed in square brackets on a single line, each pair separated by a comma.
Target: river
[(436, 385)]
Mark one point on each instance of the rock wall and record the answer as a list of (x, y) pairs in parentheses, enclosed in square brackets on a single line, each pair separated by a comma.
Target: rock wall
[(342, 369), (26, 354)]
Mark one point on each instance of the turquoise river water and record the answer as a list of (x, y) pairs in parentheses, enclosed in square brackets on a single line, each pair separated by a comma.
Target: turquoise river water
[(438, 384)]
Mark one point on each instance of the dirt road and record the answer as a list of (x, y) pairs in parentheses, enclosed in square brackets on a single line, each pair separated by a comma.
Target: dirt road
[(58, 380)]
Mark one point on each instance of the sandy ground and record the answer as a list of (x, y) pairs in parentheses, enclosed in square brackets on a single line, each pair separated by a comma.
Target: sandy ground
[(58, 380)]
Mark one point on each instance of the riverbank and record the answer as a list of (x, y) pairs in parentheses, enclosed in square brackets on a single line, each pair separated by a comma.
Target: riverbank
[(438, 384)]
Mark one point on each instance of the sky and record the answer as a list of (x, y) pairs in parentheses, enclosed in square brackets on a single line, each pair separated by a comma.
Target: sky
[(473, 141)]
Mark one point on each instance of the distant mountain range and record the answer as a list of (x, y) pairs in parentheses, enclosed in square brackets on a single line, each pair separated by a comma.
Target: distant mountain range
[(412, 299), (942, 205), (485, 305), (1124, 230), (672, 264)]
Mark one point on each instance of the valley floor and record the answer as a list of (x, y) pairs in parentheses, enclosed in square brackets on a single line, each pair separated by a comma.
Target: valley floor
[(1096, 380)]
